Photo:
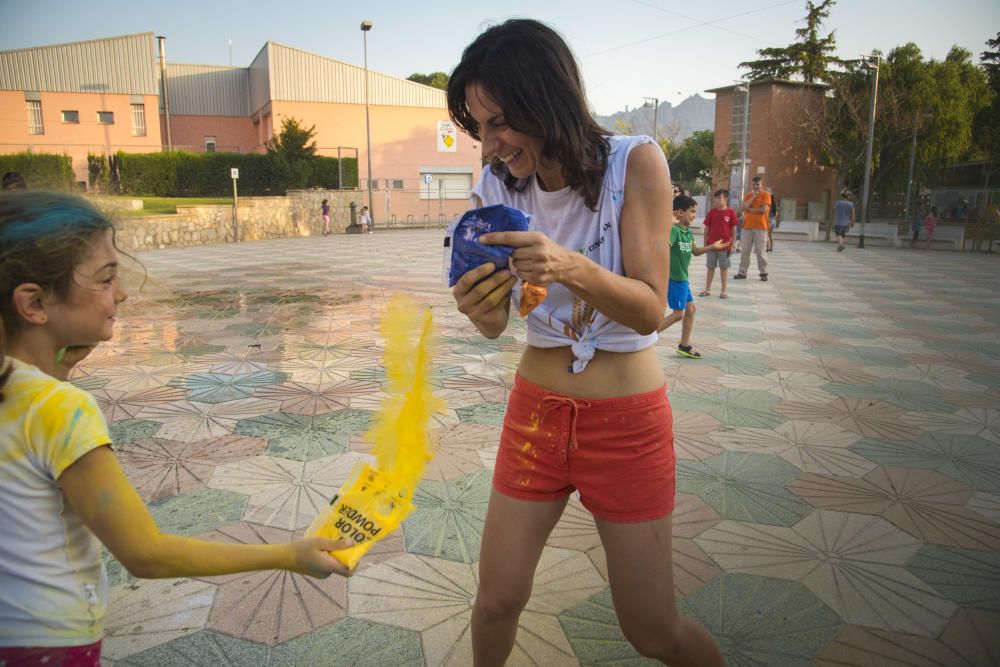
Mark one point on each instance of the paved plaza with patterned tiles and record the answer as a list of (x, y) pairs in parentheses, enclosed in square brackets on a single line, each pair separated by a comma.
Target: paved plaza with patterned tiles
[(838, 461)]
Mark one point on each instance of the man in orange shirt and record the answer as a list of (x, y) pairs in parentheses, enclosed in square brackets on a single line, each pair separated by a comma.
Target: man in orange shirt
[(756, 208)]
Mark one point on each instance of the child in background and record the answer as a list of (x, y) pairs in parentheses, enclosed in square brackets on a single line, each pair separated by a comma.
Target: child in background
[(682, 247), (325, 210), (62, 491), (916, 222), (930, 224), (719, 225), (365, 220)]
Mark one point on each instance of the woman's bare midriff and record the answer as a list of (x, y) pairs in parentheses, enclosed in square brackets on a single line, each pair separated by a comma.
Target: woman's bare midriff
[(608, 375)]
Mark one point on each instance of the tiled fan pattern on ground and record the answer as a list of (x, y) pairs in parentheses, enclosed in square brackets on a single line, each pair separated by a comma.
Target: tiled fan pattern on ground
[(838, 472)]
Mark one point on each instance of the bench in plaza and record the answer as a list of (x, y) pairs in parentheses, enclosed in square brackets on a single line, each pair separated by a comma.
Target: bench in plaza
[(797, 230), (946, 237), (414, 222), (876, 233)]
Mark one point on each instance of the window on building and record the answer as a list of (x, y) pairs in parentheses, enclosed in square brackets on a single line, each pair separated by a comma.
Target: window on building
[(445, 185), (71, 117), (209, 144), (138, 120), (396, 184), (736, 125), (35, 125), (105, 117), (374, 184)]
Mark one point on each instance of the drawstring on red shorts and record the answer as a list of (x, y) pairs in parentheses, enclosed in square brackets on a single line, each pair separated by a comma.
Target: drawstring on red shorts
[(553, 402)]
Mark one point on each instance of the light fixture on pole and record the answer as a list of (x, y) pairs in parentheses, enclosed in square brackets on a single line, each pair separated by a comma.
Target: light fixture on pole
[(907, 215), (744, 87), (871, 61), (365, 27), (655, 101), (161, 42)]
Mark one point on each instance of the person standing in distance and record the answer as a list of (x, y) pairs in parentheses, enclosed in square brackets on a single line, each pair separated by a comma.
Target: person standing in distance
[(843, 217), (772, 220), (756, 208)]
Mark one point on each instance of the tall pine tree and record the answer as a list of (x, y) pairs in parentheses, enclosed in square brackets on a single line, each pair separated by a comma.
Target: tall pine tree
[(807, 59), (986, 132)]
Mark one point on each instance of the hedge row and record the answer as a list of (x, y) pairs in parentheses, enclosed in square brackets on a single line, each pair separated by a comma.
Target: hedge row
[(181, 174), (41, 171)]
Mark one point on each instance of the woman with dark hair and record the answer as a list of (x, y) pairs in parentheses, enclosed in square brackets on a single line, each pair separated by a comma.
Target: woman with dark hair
[(588, 410)]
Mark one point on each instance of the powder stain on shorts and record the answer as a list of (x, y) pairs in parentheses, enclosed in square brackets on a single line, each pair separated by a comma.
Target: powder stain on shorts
[(535, 420)]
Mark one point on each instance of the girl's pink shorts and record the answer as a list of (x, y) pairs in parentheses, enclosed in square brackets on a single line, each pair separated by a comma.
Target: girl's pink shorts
[(52, 656), (618, 452)]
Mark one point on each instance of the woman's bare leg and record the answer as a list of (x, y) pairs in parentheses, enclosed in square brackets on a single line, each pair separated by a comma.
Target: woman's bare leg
[(513, 537), (641, 574)]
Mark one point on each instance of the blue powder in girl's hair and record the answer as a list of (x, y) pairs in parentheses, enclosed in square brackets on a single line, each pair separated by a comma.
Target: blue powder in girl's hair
[(467, 252)]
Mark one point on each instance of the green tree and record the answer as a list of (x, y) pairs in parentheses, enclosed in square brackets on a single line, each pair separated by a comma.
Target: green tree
[(293, 152), (694, 160), (808, 59), (434, 80), (936, 99), (622, 126), (986, 132)]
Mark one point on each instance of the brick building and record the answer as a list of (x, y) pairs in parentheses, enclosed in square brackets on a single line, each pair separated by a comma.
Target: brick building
[(777, 147), (104, 96)]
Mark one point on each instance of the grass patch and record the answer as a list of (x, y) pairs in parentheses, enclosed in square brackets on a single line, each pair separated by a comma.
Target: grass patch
[(168, 205)]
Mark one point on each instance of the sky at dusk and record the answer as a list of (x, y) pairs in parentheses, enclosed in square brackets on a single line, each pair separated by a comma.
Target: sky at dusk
[(628, 50)]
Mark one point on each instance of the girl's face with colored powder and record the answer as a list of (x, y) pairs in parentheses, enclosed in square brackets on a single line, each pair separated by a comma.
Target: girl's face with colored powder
[(87, 314)]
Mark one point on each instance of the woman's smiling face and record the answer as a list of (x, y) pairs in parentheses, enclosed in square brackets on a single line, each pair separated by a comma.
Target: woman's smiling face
[(521, 153)]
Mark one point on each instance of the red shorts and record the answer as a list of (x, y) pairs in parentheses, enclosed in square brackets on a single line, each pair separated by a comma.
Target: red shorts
[(52, 656), (618, 452)]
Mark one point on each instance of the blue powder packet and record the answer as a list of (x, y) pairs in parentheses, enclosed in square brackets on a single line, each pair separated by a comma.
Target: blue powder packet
[(467, 252)]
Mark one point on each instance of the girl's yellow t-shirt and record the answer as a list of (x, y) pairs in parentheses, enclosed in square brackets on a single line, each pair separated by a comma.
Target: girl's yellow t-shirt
[(53, 588)]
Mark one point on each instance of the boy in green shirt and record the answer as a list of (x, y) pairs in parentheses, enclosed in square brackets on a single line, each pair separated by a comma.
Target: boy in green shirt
[(679, 298)]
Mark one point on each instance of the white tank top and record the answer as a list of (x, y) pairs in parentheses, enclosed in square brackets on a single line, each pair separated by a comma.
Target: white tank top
[(563, 319)]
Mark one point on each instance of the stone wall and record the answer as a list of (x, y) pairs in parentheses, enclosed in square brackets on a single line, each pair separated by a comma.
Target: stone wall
[(297, 214)]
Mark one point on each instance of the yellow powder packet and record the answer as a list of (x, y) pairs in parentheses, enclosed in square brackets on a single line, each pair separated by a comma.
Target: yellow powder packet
[(375, 500), (367, 508)]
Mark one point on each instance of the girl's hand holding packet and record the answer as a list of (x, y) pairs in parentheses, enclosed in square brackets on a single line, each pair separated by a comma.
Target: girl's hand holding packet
[(468, 252)]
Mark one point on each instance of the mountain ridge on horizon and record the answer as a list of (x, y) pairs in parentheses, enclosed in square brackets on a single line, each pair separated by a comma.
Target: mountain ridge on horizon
[(692, 114)]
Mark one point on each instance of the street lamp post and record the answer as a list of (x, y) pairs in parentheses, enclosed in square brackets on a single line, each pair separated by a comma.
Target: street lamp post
[(913, 160), (871, 140), (744, 87), (365, 27), (656, 107)]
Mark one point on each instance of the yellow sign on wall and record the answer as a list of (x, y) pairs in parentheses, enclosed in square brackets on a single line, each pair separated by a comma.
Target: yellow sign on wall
[(447, 137)]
